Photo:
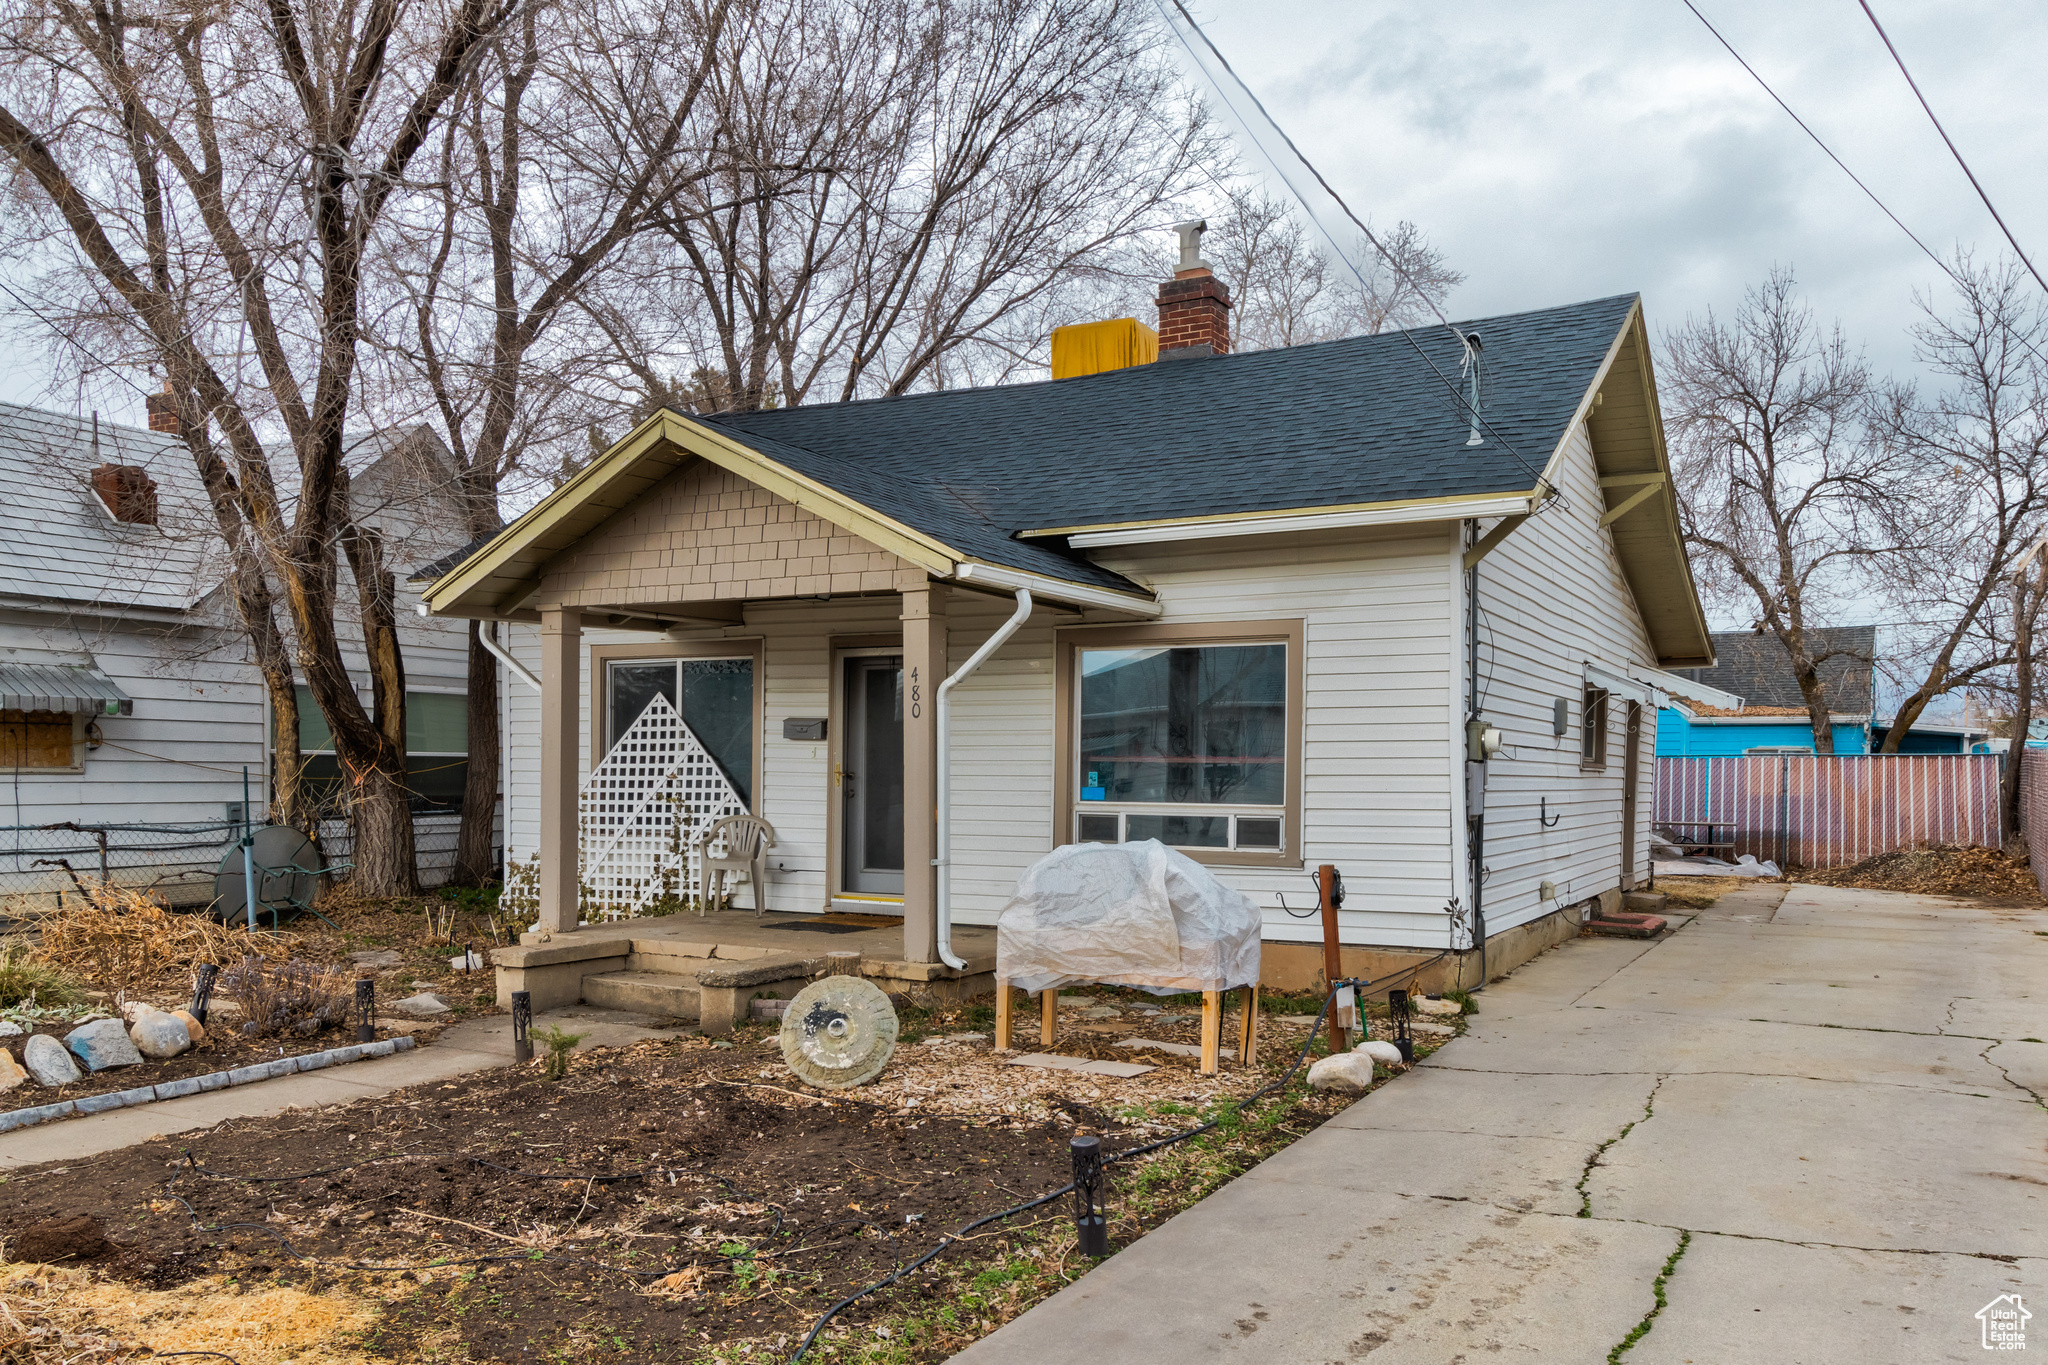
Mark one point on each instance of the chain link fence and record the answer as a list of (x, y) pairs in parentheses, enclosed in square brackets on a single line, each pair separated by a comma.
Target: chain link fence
[(42, 864)]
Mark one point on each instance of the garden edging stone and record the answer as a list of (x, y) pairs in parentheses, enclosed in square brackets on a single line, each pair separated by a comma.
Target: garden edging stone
[(193, 1085)]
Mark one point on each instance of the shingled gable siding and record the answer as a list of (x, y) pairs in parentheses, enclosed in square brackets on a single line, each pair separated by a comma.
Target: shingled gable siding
[(706, 533), (1554, 597)]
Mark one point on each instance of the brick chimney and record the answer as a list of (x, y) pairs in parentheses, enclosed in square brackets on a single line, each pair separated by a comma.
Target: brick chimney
[(163, 411), (128, 492), (1194, 306)]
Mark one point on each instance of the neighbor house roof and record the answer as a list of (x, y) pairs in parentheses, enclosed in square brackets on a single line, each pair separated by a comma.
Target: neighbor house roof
[(1756, 666), (1003, 476)]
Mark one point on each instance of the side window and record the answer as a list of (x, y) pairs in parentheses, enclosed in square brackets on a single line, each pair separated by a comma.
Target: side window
[(1593, 728)]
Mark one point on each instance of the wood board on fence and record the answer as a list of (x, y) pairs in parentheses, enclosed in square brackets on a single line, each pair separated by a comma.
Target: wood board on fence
[(1824, 810)]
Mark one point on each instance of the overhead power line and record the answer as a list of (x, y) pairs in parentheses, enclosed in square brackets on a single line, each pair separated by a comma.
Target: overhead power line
[(1975, 184), (1465, 343)]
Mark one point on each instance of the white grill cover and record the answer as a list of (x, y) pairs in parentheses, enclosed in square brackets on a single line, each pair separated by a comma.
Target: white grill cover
[(1126, 915)]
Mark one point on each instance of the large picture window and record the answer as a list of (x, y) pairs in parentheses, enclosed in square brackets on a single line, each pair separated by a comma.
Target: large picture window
[(715, 698), (1190, 741)]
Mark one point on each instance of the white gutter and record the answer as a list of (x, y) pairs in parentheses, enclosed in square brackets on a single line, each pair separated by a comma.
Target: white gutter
[(1617, 683), (487, 631), (1020, 580), (944, 862), (1687, 688), (1518, 505)]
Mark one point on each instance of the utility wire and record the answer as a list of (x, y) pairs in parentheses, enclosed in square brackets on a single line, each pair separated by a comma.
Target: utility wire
[(1465, 343), (1953, 151)]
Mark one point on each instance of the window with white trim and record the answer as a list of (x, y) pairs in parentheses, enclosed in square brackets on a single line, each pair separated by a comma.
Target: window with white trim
[(1186, 744), (715, 698)]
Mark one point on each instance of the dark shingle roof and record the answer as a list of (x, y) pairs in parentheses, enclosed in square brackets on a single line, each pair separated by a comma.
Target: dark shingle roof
[(1755, 666), (1362, 420), (438, 569)]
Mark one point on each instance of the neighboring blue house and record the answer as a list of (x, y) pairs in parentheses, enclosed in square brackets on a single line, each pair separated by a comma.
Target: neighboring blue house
[(1749, 702)]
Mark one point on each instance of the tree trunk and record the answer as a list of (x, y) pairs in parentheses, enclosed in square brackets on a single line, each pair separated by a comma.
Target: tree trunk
[(2025, 605), (384, 853), (383, 796), (474, 864)]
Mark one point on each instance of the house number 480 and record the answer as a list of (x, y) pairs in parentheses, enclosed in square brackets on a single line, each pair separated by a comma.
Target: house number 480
[(916, 696)]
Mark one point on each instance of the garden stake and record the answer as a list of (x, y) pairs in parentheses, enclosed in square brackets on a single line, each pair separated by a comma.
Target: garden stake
[(366, 1006), (522, 1027), (202, 990), (1091, 1227), (1397, 1012)]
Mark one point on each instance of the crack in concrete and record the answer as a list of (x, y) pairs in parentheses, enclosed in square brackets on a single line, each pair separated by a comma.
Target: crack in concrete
[(1642, 1329), (1948, 1016), (2003, 1258), (1586, 1174), (1800, 1023), (2032, 1093)]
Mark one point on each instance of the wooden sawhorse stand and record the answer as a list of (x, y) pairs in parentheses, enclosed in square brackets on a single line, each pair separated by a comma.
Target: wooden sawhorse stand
[(1212, 1022)]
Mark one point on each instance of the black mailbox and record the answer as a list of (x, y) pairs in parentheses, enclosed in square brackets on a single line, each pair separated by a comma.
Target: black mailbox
[(800, 727)]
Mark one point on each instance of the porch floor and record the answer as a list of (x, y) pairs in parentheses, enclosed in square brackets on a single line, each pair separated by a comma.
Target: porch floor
[(741, 935)]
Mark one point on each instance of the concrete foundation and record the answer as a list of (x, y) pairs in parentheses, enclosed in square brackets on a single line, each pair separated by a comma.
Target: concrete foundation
[(1298, 967)]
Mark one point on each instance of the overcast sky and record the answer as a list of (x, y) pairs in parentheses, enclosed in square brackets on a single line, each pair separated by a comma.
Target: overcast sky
[(1563, 151)]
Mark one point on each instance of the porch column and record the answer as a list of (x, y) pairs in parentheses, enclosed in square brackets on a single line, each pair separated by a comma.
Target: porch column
[(924, 667), (561, 667)]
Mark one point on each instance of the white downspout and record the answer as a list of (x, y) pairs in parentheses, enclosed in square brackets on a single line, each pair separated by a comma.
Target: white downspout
[(944, 862), (487, 632)]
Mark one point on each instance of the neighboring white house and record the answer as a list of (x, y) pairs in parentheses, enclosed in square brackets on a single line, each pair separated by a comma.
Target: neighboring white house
[(127, 700), (1271, 593)]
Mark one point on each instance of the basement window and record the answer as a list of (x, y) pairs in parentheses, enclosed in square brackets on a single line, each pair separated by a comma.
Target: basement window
[(1593, 728), (1189, 740)]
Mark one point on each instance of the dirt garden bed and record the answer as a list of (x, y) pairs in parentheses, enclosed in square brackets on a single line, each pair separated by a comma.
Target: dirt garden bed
[(670, 1201)]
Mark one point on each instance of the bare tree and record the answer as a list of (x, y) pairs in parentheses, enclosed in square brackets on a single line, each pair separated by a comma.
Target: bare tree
[(908, 193), (1286, 291), (1778, 480), (207, 185), (1979, 451), (573, 134)]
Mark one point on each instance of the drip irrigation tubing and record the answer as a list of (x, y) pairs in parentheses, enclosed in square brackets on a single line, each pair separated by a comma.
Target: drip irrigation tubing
[(1361, 985)]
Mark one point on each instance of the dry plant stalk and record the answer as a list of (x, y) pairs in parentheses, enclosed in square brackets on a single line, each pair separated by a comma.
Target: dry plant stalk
[(121, 938), (293, 995)]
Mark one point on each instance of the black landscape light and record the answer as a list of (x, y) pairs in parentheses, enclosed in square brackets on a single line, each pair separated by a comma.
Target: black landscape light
[(1397, 1011), (522, 1027), (202, 990), (366, 1007), (1091, 1226)]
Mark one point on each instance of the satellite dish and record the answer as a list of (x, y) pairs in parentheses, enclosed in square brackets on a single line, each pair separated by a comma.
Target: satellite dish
[(838, 1033), (288, 871)]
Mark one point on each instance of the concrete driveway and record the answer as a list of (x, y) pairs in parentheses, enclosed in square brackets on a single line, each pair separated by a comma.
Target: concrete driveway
[(1817, 1117)]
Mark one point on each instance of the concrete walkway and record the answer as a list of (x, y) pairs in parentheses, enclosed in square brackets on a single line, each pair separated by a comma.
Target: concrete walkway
[(1818, 1114), (461, 1048)]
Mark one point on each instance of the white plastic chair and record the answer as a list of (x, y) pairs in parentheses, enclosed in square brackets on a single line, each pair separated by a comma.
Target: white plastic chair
[(747, 841)]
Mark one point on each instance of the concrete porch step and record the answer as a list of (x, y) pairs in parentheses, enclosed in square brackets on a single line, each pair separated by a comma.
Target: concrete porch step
[(1627, 926), (1644, 902), (662, 993)]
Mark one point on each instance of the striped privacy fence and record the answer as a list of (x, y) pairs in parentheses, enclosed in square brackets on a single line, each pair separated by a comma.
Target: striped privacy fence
[(1823, 810)]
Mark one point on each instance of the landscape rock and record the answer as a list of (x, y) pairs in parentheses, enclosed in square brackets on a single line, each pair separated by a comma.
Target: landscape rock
[(1426, 1005), (467, 962), (160, 1035), (135, 1009), (11, 1073), (10, 1029), (1346, 1073), (193, 1028), (422, 1004), (1386, 1054), (48, 1062), (103, 1044), (377, 957)]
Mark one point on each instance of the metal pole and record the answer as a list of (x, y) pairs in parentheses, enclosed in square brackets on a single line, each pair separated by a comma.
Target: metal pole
[(1333, 967), (248, 854)]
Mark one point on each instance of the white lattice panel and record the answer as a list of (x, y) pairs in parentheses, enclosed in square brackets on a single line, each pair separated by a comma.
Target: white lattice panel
[(642, 811)]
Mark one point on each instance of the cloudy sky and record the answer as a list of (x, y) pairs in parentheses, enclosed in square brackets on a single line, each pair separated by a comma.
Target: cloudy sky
[(1561, 151)]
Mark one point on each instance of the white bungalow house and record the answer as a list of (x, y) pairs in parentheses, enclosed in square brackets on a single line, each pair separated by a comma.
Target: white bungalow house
[(128, 705), (1268, 608)]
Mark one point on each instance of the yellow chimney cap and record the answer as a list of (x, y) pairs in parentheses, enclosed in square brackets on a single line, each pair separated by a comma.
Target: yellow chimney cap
[(1093, 347)]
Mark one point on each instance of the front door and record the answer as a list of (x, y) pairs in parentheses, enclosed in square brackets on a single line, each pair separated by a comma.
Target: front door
[(871, 776)]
